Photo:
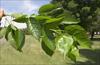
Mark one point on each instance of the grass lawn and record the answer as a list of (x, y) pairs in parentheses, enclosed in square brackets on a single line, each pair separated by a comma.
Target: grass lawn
[(33, 55)]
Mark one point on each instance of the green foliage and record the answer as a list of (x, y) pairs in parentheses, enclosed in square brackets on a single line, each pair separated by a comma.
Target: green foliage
[(47, 39), (79, 34), (19, 17), (47, 28), (2, 32), (64, 43), (55, 12), (73, 53), (15, 37), (34, 27), (46, 49), (54, 20), (84, 10), (19, 38), (46, 8), (50, 10), (69, 18), (42, 18)]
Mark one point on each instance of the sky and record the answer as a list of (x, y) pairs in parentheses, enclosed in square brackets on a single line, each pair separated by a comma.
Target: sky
[(22, 6)]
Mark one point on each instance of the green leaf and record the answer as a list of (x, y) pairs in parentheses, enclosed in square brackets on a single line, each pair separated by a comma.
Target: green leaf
[(46, 49), (34, 28), (83, 39), (64, 43), (19, 38), (73, 53), (15, 37), (54, 20), (72, 29), (9, 29), (46, 8), (11, 40), (3, 32), (72, 56), (69, 18), (79, 35), (20, 17), (42, 18), (17, 15), (70, 21), (47, 38), (56, 12), (72, 5), (13, 27)]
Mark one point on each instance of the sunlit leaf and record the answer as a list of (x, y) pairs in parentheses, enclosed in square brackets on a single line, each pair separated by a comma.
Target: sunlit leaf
[(46, 8), (72, 29), (20, 17), (56, 12), (69, 18), (3, 32), (15, 37), (73, 53), (54, 20), (11, 40), (42, 18), (34, 28), (64, 44), (72, 56), (46, 49), (8, 31), (79, 35), (82, 38), (19, 38), (47, 38)]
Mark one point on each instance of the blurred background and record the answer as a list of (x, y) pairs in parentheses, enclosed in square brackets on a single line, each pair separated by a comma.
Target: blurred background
[(22, 6)]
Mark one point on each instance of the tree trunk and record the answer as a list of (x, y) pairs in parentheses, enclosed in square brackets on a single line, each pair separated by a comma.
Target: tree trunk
[(92, 34)]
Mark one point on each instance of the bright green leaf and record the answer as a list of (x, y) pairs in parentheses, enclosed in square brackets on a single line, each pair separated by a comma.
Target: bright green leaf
[(47, 38), (54, 20), (3, 32), (42, 18), (34, 28), (73, 54), (11, 40), (9, 29), (68, 18), (19, 38), (20, 17), (82, 38), (15, 37), (64, 43), (72, 29), (46, 49), (79, 35), (46, 8), (56, 12)]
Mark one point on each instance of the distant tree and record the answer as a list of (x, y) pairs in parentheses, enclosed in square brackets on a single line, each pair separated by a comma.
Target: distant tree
[(88, 11)]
